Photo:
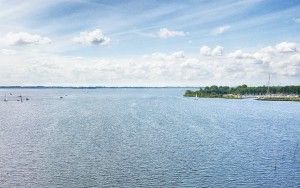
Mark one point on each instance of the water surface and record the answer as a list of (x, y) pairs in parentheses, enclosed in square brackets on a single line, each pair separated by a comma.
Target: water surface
[(146, 138)]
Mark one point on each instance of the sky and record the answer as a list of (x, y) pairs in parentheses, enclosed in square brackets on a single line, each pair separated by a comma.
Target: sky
[(149, 42)]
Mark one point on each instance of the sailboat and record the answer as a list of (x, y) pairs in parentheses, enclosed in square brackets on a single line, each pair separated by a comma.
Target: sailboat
[(21, 98), (5, 98), (196, 96)]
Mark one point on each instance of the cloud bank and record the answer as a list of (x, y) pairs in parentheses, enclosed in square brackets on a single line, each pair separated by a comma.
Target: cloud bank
[(156, 69)]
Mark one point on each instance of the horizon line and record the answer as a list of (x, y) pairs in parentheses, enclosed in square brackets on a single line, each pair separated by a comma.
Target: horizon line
[(99, 87)]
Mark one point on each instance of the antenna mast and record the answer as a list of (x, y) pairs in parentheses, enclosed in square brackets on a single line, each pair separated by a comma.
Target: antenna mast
[(268, 90)]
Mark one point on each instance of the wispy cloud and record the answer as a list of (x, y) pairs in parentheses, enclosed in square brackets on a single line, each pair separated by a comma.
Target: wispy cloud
[(220, 30), (7, 52), (297, 20), (167, 33)]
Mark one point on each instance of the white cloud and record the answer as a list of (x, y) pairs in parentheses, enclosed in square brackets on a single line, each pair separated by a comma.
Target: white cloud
[(220, 30), (179, 54), (272, 59), (238, 54), (166, 33), (266, 53), (207, 51), (95, 37), (286, 47), (7, 52), (217, 51), (23, 38), (164, 56)]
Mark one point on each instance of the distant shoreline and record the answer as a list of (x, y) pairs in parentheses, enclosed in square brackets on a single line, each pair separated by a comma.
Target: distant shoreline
[(90, 87)]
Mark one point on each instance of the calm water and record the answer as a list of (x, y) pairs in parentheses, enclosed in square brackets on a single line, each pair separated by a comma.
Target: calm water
[(146, 138)]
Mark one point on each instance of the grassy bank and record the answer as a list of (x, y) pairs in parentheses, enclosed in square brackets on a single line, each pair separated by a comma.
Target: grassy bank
[(288, 98)]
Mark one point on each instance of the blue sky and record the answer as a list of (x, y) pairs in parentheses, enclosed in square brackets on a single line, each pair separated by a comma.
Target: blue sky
[(130, 32)]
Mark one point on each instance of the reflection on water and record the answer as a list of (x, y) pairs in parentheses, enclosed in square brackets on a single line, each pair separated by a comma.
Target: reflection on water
[(146, 137)]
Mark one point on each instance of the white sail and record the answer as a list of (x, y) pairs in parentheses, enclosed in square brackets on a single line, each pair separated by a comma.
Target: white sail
[(5, 98)]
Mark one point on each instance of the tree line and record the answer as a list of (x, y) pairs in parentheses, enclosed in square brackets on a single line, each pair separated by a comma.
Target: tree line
[(217, 91)]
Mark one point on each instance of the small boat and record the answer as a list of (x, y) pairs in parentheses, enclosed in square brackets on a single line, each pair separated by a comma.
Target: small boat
[(27, 99), (61, 97)]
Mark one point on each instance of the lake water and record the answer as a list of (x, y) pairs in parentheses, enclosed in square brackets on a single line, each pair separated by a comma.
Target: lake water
[(146, 138)]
